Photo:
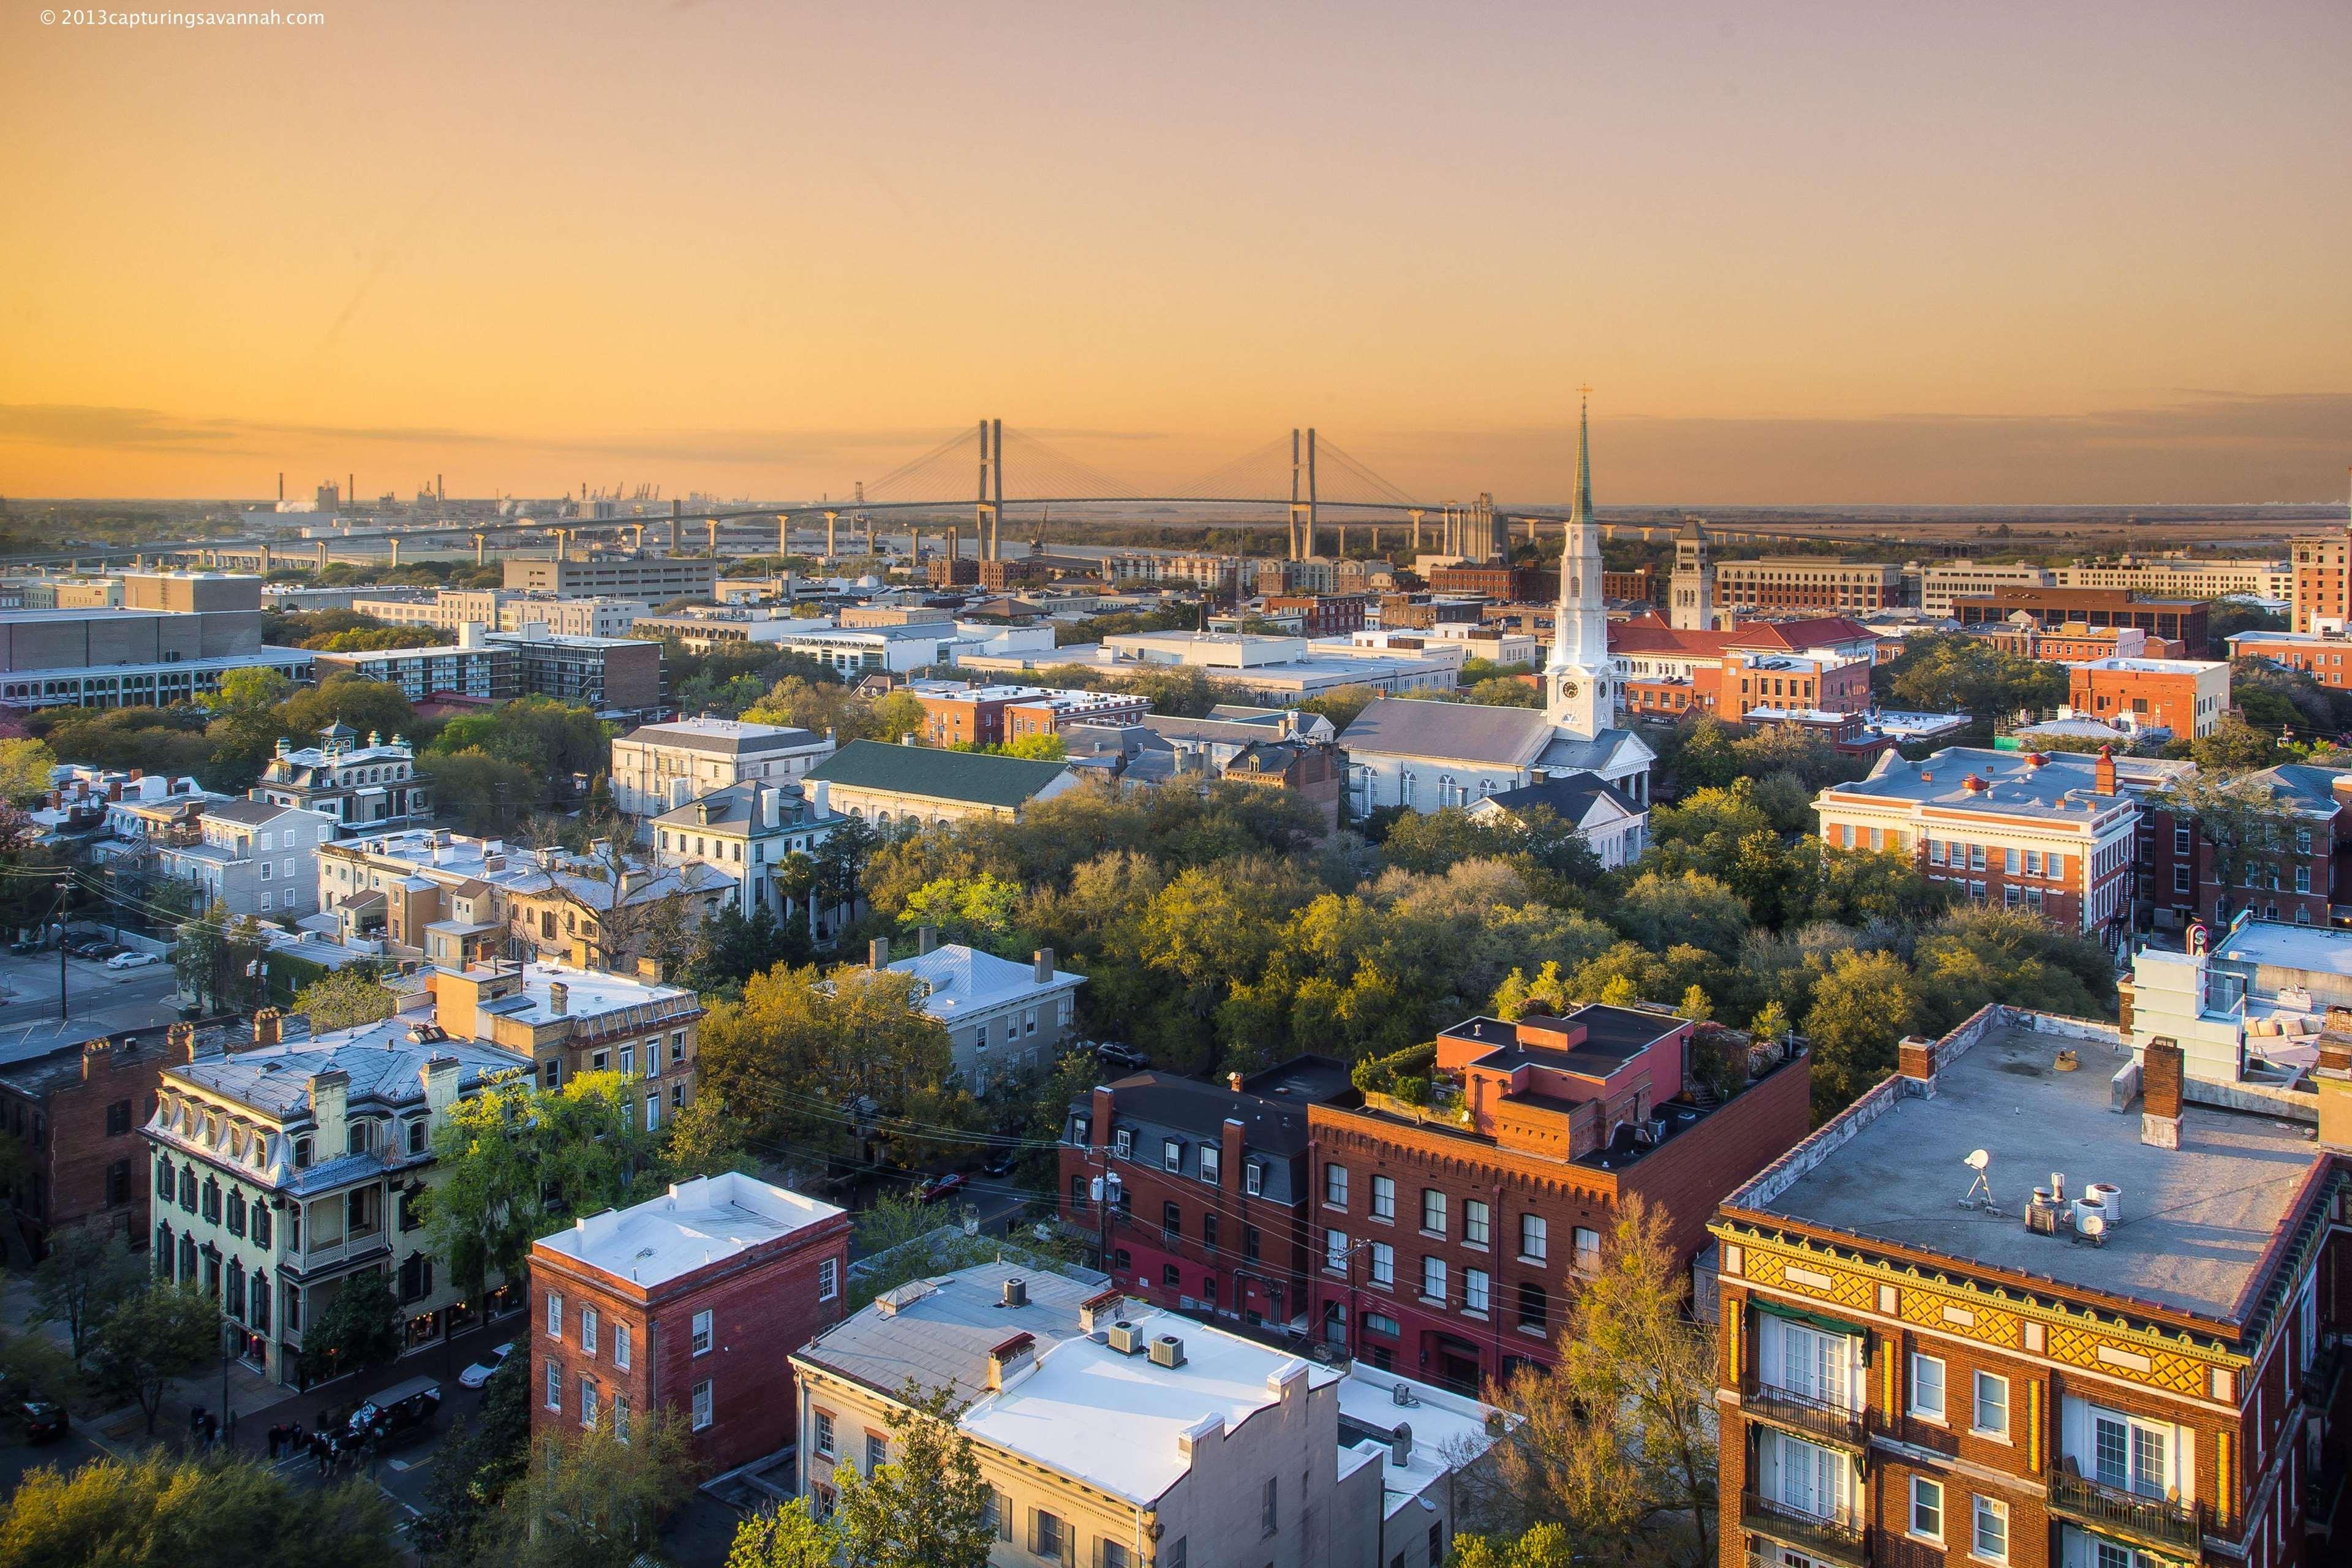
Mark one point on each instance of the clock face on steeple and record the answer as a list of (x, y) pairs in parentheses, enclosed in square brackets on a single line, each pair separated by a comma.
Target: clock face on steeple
[(1568, 689)]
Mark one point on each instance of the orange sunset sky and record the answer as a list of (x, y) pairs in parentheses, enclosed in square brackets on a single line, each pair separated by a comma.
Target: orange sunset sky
[(1805, 252)]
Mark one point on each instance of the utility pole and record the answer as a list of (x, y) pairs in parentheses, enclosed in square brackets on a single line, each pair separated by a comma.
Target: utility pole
[(64, 885)]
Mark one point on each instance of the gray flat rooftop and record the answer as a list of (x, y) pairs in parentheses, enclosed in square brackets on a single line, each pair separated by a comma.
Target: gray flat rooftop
[(2196, 1220), (2324, 950)]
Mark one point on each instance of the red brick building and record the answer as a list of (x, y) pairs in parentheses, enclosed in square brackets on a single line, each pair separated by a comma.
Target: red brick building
[(2181, 621), (2185, 696), (2323, 581), (1448, 1241), (691, 1301), (2292, 876), (1639, 586), (1322, 615), (2317, 656), (1316, 770), (75, 1113), (1194, 1196), (972, 716), (2137, 1365), (1506, 584), (1049, 713)]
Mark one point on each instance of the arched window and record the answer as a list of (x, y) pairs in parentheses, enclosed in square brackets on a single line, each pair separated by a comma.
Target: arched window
[(261, 1224), (163, 1249), (257, 1299), (188, 1188), (236, 1211), (1404, 787), (301, 1153), (1447, 794), (211, 1200), (187, 1258), (233, 1300)]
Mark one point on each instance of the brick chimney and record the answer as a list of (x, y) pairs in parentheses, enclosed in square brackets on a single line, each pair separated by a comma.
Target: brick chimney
[(1043, 959), (180, 1043), (268, 1026), (1098, 1122), (2103, 773), (2159, 1090), (1915, 1058), (877, 953)]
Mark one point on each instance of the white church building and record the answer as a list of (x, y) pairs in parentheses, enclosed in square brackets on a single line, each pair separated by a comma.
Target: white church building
[(1426, 756)]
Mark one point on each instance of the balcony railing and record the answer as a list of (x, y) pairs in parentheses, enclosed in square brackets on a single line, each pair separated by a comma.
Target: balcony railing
[(2165, 1523), (2319, 1377), (1838, 1536), (1822, 1418)]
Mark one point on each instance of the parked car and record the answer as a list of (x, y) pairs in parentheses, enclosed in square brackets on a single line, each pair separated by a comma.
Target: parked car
[(26, 944), (1002, 1165), (132, 961), (1124, 1055), (398, 1411), (481, 1372), (45, 1419), (935, 1188)]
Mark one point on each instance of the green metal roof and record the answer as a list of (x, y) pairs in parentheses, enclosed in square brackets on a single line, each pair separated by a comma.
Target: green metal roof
[(969, 776)]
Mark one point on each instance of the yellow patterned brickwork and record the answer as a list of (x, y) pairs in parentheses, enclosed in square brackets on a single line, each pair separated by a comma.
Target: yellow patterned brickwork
[(2175, 1364)]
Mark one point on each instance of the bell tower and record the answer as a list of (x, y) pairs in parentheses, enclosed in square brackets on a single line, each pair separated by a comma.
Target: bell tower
[(1580, 685)]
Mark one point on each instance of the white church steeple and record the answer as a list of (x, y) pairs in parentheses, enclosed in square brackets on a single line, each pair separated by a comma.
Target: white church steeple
[(1579, 690)]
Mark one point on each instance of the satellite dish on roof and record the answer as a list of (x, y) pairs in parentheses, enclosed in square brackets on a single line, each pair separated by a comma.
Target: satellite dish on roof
[(1980, 1190)]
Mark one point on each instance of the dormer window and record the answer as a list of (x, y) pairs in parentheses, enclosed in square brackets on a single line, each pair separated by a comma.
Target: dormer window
[(301, 1153)]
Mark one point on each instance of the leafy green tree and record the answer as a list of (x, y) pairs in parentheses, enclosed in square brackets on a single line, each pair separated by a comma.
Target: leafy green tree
[(488, 795), (1658, 910), (978, 911), (1038, 748), (1619, 1434), (1980, 953), (154, 1336), (2232, 747), (787, 1536), (1942, 672), (479, 1462), (88, 1272), (1502, 691), (345, 999), (360, 1330), (2238, 817), (926, 1506), (510, 1157), (1543, 1546), (216, 1511), (24, 770), (596, 1498), (253, 690), (370, 707), (1341, 704), (1863, 1004)]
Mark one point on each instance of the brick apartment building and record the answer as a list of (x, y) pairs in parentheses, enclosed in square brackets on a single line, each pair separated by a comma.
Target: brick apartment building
[(75, 1113), (1751, 680), (1206, 1207), (1639, 586), (967, 716), (1447, 1242), (1808, 583), (690, 1302), (1051, 712), (2074, 643), (2291, 877), (2136, 1365), (2322, 599), (2319, 656), (2054, 832), (2185, 696), (1316, 770), (1322, 615), (2181, 621), (1504, 584)]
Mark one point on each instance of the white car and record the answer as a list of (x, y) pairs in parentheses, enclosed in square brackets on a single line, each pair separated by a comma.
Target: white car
[(132, 961), (480, 1372)]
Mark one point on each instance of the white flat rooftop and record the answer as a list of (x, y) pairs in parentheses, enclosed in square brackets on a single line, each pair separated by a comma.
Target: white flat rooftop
[(696, 1224), (588, 993), (1113, 1420), (2325, 950)]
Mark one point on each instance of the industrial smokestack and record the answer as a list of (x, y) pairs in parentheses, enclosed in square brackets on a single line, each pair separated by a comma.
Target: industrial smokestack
[(281, 484)]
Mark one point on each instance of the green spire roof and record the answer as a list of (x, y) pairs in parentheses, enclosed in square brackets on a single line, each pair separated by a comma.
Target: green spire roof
[(1584, 512)]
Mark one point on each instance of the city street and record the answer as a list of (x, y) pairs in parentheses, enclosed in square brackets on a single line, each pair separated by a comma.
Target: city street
[(100, 1001)]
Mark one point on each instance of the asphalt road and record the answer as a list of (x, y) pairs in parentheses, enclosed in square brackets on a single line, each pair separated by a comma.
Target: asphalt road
[(68, 1453), (98, 1001)]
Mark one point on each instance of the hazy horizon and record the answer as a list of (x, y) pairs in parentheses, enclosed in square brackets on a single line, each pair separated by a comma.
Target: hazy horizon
[(1995, 255)]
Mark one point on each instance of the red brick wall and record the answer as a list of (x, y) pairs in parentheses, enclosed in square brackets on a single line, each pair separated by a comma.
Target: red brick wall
[(763, 1307), (1272, 1285), (2172, 700), (75, 1150)]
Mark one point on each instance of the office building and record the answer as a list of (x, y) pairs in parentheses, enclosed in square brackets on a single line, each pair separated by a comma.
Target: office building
[(1982, 1317), (175, 635), (614, 678), (1941, 582), (451, 608), (653, 579), (474, 666), (2180, 621), (2321, 597), (2181, 579), (678, 1306), (1817, 583)]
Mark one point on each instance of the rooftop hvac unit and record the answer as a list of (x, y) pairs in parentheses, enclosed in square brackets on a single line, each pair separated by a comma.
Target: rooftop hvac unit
[(2110, 1199), (1016, 1292), (1168, 1351), (1125, 1338)]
